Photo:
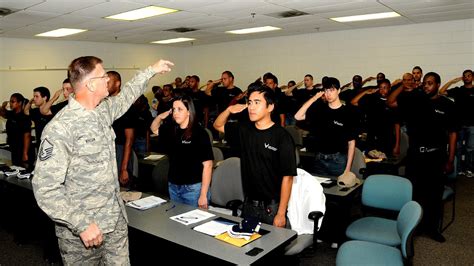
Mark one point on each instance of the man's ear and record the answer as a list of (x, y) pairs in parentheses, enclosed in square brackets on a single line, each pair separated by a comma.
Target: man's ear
[(90, 86), (271, 107)]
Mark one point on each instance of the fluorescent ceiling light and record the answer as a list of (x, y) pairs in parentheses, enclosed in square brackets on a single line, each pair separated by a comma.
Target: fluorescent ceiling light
[(145, 12), (60, 32), (367, 17), (253, 30), (174, 40)]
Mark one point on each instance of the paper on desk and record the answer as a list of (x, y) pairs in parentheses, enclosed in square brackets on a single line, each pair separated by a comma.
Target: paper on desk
[(214, 228), (146, 203), (192, 217), (323, 179), (154, 157)]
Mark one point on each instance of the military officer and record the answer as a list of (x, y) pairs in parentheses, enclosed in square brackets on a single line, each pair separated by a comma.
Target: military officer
[(75, 179)]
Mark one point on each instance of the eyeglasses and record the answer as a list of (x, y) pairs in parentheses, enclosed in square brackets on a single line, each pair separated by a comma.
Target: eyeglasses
[(105, 76)]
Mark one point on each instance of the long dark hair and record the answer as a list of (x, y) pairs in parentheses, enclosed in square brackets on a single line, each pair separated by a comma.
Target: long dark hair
[(188, 103)]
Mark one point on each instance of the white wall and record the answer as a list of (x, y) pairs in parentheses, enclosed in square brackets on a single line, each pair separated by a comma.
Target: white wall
[(444, 47), (35, 55)]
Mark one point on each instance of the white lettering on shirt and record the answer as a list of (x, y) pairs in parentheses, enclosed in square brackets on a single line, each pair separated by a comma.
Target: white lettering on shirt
[(267, 146), (185, 142), (338, 123), (439, 111)]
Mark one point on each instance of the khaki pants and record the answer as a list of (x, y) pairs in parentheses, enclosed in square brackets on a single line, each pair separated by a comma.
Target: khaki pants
[(113, 251)]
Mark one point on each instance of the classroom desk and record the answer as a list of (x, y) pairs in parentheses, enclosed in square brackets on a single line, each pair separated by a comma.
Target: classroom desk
[(156, 222)]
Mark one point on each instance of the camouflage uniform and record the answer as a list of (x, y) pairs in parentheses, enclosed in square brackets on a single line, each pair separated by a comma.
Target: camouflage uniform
[(76, 179)]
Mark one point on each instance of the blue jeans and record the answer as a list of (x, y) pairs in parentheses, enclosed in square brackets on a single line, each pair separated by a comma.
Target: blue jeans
[(465, 148), (329, 164), (186, 194)]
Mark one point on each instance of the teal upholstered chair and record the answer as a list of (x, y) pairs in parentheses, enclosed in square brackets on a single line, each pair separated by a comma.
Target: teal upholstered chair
[(358, 252), (386, 192)]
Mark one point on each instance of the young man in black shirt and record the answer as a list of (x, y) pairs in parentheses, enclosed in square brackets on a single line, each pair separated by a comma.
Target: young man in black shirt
[(333, 128), (464, 98), (268, 160), (431, 127), (383, 127), (48, 108), (40, 97)]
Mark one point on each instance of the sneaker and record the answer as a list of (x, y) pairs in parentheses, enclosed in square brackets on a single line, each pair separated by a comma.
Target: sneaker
[(334, 245), (462, 173), (469, 173), (319, 241)]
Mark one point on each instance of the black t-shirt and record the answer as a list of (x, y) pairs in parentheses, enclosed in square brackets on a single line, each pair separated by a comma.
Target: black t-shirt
[(127, 120), (464, 101), (17, 125), (303, 95), (331, 129), (266, 157), (200, 101), (428, 121), (40, 121), (223, 96), (144, 120), (57, 107), (380, 119), (187, 156)]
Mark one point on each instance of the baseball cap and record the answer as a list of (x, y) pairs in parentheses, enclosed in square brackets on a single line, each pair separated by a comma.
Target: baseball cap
[(347, 179)]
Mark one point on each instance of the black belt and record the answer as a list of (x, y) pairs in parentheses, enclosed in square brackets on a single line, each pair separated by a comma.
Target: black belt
[(261, 203)]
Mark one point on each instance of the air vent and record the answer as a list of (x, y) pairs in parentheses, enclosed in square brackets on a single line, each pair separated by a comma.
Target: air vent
[(182, 29), (288, 14), (5, 11)]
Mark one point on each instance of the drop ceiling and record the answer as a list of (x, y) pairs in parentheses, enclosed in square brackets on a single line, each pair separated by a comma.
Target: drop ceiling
[(212, 18)]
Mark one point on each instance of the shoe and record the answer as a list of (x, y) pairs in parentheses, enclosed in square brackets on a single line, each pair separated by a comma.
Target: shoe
[(469, 173), (438, 237), (462, 173), (319, 241), (334, 245)]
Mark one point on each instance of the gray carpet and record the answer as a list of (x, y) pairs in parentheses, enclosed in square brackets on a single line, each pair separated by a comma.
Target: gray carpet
[(457, 250)]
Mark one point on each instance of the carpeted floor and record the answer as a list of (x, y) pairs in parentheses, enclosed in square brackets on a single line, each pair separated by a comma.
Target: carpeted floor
[(457, 250)]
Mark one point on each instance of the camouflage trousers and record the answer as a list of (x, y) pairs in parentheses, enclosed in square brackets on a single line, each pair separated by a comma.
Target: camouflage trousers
[(112, 251)]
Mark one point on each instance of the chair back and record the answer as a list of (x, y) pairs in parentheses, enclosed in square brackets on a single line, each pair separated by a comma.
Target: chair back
[(134, 164), (159, 176), (296, 135), (218, 155), (358, 163), (388, 192), (408, 218), (209, 132), (226, 182), (5, 154), (403, 144)]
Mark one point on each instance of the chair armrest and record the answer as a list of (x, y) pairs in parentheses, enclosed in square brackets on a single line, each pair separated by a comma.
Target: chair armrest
[(363, 171), (234, 206), (315, 216)]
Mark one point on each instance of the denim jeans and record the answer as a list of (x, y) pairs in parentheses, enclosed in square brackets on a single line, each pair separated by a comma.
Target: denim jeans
[(186, 194), (465, 148), (329, 164)]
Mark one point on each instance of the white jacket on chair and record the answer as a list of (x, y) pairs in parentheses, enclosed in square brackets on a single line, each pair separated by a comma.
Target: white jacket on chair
[(306, 196)]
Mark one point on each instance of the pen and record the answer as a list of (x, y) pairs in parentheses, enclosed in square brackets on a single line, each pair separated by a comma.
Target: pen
[(170, 208), (188, 217)]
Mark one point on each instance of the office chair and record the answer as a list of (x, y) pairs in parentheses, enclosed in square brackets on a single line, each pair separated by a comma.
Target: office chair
[(208, 131), (449, 194), (5, 155), (159, 177), (296, 135), (218, 155), (356, 252), (383, 192), (226, 185), (358, 164), (306, 207)]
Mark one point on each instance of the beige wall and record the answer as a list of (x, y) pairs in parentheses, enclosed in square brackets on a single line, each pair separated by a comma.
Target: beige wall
[(36, 55), (444, 47)]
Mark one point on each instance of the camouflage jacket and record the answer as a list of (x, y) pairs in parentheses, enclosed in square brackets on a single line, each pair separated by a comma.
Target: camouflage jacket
[(75, 179)]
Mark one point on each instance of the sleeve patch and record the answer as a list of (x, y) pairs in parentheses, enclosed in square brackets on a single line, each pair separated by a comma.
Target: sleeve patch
[(46, 150)]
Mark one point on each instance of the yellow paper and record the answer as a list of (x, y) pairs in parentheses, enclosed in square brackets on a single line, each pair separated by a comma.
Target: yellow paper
[(239, 242)]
